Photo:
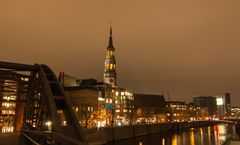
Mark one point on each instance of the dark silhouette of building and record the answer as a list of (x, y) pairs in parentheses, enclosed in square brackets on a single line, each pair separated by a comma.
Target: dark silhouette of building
[(149, 108), (208, 102), (110, 75), (228, 103), (149, 100)]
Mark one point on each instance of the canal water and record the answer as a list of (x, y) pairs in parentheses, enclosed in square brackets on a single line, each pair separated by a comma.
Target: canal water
[(211, 135)]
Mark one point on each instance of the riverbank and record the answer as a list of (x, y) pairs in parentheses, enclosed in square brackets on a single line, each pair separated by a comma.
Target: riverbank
[(205, 135), (109, 134), (124, 132)]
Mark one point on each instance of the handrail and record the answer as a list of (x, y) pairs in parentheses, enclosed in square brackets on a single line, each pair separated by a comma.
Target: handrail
[(20, 67), (57, 137), (30, 139)]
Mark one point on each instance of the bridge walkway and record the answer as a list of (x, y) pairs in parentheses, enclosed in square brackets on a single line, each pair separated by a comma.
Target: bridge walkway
[(9, 139)]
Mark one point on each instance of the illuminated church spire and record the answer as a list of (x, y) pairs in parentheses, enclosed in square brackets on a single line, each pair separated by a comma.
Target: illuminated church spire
[(110, 75)]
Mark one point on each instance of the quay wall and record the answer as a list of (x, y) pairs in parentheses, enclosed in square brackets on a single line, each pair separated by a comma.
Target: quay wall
[(124, 132)]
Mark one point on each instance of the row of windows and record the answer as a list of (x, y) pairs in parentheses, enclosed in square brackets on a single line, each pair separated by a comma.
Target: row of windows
[(110, 53), (8, 105), (120, 101), (173, 106), (124, 93), (182, 109), (108, 100), (8, 112), (6, 120), (124, 110), (110, 66), (9, 97), (7, 129), (174, 114), (83, 108), (124, 98)]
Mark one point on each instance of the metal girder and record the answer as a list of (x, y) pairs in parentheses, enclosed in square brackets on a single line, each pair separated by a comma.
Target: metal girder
[(13, 73), (45, 98), (16, 66)]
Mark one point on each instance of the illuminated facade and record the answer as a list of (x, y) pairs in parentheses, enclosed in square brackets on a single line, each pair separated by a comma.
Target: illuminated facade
[(92, 102), (176, 111), (7, 111), (123, 106), (223, 105), (196, 112), (11, 111), (235, 112), (110, 75)]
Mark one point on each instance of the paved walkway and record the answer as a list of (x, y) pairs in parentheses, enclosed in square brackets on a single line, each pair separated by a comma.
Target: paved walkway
[(9, 139)]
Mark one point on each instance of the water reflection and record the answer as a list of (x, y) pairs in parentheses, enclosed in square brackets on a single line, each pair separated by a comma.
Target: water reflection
[(192, 141), (163, 141), (214, 135)]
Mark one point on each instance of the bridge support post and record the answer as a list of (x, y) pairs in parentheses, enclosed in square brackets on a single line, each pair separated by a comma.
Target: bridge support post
[(19, 111)]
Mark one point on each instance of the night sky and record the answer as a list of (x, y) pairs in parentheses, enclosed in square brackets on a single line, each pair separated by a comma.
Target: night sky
[(186, 47)]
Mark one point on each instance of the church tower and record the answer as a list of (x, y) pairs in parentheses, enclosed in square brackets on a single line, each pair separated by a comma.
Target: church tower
[(110, 75)]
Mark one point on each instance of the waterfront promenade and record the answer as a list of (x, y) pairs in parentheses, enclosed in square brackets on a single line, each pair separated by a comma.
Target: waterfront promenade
[(99, 136)]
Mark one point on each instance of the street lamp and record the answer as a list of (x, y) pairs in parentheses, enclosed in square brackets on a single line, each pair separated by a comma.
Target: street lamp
[(49, 125)]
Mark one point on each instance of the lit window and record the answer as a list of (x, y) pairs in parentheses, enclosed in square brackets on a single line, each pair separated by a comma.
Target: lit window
[(107, 66), (9, 97), (117, 110), (8, 104), (111, 66), (101, 99), (8, 112), (219, 101), (7, 129), (110, 53)]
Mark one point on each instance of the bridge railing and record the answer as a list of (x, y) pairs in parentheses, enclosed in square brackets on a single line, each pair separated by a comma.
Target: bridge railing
[(29, 137)]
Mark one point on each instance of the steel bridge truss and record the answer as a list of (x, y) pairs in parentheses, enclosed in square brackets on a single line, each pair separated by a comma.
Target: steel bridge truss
[(48, 117)]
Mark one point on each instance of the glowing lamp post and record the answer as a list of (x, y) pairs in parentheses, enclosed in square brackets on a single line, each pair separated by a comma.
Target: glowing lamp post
[(49, 125)]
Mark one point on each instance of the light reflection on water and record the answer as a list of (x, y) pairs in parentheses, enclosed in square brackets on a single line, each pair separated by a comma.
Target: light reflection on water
[(214, 135)]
